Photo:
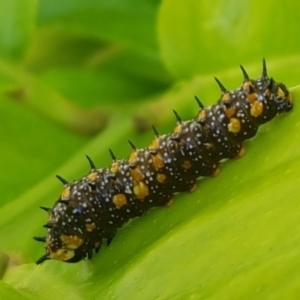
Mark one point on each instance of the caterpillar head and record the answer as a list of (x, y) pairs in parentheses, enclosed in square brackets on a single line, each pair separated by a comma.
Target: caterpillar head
[(267, 98), (72, 233)]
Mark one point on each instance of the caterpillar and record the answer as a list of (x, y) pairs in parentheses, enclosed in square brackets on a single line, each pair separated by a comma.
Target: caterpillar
[(91, 209)]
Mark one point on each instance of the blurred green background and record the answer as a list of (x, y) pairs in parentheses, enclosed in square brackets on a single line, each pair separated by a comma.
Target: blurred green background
[(79, 77)]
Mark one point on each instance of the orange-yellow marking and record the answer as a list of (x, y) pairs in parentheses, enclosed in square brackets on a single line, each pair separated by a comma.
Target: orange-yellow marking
[(178, 128), (71, 241), (230, 112), (136, 174), (280, 93), (133, 157), (65, 194), (114, 168), (158, 162), (61, 254), (93, 176), (256, 109), (141, 190), (252, 97), (247, 86), (161, 178), (154, 144), (225, 97), (201, 114), (90, 227), (234, 125), (186, 164), (119, 200), (251, 94)]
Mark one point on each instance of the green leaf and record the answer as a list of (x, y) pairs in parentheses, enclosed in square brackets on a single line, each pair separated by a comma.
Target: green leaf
[(237, 235), (136, 76), (16, 27), (8, 292), (197, 36), (110, 20)]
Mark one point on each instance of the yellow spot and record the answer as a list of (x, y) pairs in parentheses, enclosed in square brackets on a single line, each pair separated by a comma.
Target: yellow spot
[(241, 153), (201, 114), (234, 125), (65, 193), (169, 203), (90, 227), (250, 91), (161, 177), (178, 128), (141, 190), (119, 200), (247, 86), (225, 97), (252, 97), (230, 112), (256, 109), (93, 176), (154, 145), (186, 164), (158, 161), (62, 254), (133, 157), (280, 93), (114, 168), (136, 174), (193, 188), (71, 241)]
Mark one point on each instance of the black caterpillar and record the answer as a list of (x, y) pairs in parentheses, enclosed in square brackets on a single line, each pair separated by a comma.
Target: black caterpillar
[(92, 208)]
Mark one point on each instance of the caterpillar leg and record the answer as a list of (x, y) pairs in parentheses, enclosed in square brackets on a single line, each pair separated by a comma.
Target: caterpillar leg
[(193, 188), (241, 153), (170, 202), (216, 172)]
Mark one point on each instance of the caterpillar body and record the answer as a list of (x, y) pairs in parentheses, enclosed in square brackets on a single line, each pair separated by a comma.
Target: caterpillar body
[(91, 209)]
